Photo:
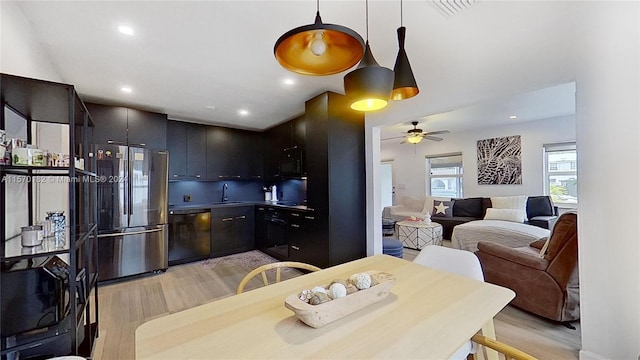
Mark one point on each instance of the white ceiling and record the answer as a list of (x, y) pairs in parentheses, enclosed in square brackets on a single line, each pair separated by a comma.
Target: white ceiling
[(540, 104), (186, 56)]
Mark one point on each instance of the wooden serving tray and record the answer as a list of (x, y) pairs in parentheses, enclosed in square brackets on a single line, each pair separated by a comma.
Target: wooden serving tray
[(318, 316)]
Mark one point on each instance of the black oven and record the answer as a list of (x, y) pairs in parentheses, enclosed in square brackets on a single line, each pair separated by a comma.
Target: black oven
[(35, 294), (291, 162), (275, 237)]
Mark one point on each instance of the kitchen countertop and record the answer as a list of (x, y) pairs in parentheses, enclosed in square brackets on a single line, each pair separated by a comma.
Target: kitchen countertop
[(231, 203)]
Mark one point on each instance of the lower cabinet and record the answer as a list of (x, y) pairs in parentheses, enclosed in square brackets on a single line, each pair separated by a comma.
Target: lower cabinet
[(232, 230), (291, 235), (304, 244)]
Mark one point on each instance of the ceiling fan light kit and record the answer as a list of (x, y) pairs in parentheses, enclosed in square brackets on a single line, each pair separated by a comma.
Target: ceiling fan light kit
[(319, 49), (414, 139), (415, 135), (369, 86)]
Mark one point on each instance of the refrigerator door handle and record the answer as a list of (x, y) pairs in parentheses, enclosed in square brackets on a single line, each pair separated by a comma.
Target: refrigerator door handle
[(123, 175), (131, 233), (130, 184)]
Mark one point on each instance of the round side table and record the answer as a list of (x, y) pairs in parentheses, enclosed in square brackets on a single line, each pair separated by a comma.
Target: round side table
[(418, 234)]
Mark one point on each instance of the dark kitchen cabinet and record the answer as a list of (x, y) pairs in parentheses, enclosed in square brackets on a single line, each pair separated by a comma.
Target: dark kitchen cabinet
[(124, 126), (187, 144), (299, 130), (238, 153), (176, 144), (255, 155), (232, 230), (260, 226), (336, 187), (196, 151), (304, 244), (233, 154), (281, 139), (216, 149), (110, 123), (146, 129)]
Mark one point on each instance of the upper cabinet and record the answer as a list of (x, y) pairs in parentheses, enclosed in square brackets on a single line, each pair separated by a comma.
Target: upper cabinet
[(196, 151), (125, 126), (283, 141), (233, 154), (176, 144), (299, 130), (147, 129), (187, 144), (110, 123)]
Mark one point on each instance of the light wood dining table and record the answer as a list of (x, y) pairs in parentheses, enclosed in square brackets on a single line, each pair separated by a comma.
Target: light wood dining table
[(428, 314)]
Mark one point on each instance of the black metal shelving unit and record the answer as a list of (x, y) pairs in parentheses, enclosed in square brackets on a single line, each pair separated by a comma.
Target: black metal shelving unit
[(38, 101)]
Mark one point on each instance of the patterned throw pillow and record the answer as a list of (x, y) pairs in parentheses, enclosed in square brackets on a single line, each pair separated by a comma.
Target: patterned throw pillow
[(442, 209)]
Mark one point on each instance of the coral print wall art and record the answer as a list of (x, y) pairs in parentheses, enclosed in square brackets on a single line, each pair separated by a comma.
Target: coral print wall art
[(499, 161)]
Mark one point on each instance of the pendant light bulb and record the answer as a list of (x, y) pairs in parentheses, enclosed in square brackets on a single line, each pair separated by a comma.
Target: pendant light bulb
[(318, 46), (319, 49)]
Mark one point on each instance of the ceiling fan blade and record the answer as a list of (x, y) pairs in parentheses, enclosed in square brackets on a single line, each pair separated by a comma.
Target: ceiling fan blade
[(433, 138), (393, 138), (437, 132), (403, 142)]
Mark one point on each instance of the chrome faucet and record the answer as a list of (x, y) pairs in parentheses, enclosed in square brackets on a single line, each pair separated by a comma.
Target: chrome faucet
[(224, 196)]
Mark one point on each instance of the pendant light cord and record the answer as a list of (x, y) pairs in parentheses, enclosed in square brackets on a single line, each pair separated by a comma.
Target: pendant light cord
[(401, 22), (318, 5), (367, 18)]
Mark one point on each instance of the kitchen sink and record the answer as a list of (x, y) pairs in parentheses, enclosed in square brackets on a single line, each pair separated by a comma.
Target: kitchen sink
[(226, 202)]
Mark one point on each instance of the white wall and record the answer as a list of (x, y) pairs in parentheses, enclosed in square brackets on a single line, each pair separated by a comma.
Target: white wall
[(410, 165), (596, 44), (22, 54)]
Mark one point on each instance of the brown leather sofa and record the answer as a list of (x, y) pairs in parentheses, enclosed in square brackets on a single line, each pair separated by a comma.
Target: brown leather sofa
[(547, 286)]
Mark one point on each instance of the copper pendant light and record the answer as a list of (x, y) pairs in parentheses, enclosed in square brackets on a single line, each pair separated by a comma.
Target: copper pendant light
[(404, 83), (369, 86), (319, 49)]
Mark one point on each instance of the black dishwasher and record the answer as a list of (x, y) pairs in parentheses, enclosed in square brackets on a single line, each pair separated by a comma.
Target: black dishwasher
[(189, 235)]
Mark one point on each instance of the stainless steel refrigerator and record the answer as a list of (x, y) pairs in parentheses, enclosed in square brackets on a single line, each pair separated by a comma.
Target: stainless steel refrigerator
[(132, 210)]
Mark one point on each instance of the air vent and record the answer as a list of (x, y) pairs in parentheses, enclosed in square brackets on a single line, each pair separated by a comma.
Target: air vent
[(449, 8)]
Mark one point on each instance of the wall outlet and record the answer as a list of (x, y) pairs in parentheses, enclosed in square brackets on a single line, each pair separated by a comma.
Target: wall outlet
[(186, 198)]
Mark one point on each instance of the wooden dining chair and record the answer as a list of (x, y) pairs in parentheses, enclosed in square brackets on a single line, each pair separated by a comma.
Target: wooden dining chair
[(466, 264), (262, 270)]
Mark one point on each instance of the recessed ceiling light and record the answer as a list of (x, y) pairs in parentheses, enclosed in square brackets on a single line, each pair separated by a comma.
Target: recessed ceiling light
[(210, 107), (126, 89), (289, 81), (513, 117), (243, 112), (127, 30)]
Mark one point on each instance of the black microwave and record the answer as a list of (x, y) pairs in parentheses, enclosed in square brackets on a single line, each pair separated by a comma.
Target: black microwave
[(292, 162)]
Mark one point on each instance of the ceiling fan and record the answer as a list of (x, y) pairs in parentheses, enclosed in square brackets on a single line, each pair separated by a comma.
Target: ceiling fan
[(416, 135)]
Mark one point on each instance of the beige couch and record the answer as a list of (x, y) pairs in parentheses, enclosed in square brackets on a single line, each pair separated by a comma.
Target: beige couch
[(411, 206)]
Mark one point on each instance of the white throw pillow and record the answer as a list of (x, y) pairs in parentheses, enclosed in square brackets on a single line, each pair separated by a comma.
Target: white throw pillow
[(510, 202), (515, 215)]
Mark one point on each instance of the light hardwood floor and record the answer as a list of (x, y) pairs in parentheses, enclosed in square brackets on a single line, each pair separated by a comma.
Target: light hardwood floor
[(124, 306)]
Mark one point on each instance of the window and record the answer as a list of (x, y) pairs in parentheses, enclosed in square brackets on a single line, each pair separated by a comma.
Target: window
[(561, 174), (445, 175)]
